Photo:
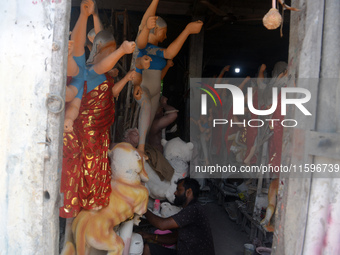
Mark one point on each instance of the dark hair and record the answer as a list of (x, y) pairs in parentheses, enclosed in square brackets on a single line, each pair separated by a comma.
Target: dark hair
[(192, 184)]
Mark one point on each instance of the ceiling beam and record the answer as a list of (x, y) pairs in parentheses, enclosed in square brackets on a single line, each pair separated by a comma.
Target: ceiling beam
[(164, 7)]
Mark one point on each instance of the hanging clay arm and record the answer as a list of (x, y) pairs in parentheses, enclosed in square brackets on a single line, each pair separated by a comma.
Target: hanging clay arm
[(273, 19), (287, 7)]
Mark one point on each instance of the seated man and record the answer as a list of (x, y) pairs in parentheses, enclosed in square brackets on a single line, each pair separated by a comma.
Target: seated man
[(193, 233)]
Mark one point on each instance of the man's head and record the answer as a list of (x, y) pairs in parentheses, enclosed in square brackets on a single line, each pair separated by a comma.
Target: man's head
[(187, 190), (131, 136)]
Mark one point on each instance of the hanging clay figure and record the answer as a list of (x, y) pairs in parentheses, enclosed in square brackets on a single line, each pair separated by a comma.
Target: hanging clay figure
[(287, 7), (128, 201), (273, 19), (147, 84)]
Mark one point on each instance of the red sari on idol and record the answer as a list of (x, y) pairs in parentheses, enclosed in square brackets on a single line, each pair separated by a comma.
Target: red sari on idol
[(86, 173)]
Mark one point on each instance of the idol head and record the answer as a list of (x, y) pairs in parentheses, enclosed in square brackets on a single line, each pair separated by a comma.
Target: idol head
[(103, 44), (160, 30)]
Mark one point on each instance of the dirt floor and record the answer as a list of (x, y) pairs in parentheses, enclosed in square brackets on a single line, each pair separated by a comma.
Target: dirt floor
[(229, 238)]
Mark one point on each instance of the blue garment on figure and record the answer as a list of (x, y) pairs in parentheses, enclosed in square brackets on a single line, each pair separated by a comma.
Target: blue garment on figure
[(78, 80), (86, 73), (157, 55)]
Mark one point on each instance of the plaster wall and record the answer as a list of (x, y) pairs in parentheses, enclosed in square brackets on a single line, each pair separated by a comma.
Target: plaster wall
[(26, 66)]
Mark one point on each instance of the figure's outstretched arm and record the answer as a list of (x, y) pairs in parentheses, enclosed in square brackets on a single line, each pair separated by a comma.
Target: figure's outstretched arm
[(261, 71), (117, 88), (151, 11), (72, 112), (224, 70), (98, 26), (71, 92), (72, 67), (260, 76), (244, 82), (173, 49), (79, 31), (113, 72), (142, 38), (143, 62), (137, 90), (169, 64), (144, 28), (107, 63)]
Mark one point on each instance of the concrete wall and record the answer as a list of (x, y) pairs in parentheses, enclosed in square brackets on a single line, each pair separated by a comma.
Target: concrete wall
[(308, 209), (29, 71)]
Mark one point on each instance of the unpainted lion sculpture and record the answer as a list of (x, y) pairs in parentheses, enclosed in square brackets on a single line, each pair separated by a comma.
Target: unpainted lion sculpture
[(95, 229)]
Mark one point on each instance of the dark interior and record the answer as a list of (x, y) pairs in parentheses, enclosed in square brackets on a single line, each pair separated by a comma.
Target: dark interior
[(233, 35)]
